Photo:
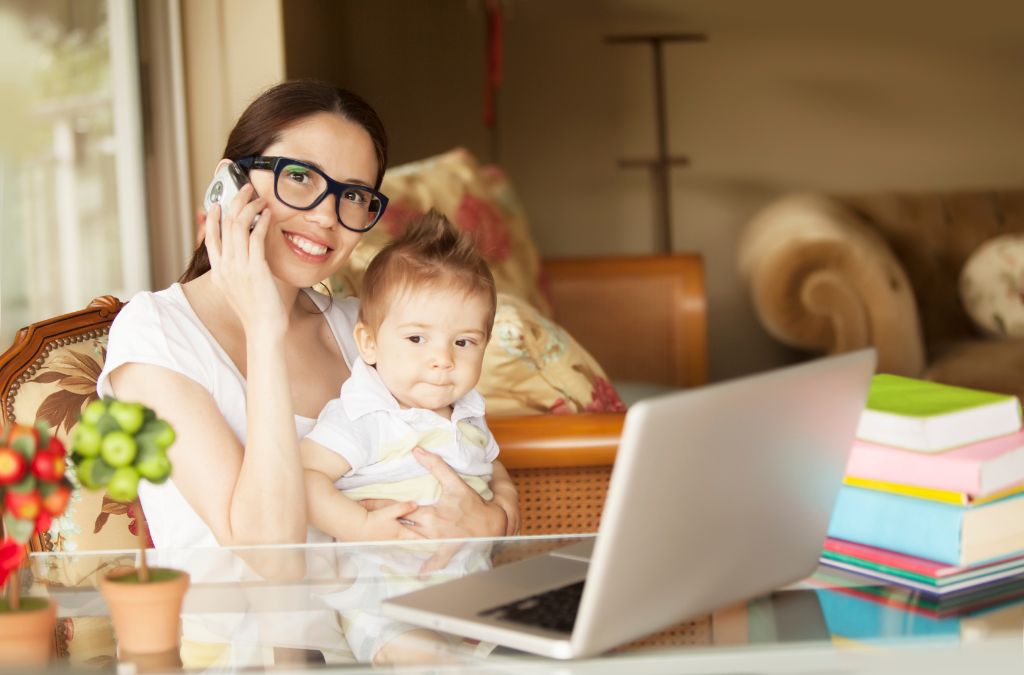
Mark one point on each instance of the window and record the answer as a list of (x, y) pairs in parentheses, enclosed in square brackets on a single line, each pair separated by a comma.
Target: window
[(72, 198)]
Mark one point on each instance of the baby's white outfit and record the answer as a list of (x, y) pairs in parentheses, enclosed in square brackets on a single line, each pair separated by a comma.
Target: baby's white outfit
[(375, 435), (368, 428)]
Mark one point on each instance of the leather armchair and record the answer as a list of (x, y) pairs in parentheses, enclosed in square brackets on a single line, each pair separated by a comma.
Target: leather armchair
[(829, 274)]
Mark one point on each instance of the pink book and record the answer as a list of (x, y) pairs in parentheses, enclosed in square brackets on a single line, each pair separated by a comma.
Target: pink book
[(977, 469)]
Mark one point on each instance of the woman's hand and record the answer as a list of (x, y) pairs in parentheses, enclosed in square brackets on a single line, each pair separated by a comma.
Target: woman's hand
[(238, 261), (460, 512), (387, 523), (507, 497)]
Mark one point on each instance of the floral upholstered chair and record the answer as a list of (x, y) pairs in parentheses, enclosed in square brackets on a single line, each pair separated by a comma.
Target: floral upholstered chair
[(49, 374)]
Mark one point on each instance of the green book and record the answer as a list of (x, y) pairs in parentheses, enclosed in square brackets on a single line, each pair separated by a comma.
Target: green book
[(925, 416)]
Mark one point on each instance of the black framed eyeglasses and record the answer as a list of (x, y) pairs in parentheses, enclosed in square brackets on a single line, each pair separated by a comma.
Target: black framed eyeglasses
[(303, 186)]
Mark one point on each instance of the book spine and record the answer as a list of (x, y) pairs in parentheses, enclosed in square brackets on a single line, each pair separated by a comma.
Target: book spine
[(865, 563), (927, 568), (944, 496), (916, 527), (894, 465)]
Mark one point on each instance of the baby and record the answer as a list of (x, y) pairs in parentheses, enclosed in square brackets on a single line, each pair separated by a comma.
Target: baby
[(426, 311)]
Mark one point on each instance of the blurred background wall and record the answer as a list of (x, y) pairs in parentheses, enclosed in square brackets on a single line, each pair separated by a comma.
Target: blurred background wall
[(785, 95)]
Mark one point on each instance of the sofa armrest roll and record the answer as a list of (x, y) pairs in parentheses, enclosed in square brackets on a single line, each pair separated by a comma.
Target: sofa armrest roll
[(822, 280)]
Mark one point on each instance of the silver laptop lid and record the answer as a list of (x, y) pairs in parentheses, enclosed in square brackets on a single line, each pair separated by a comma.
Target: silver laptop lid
[(727, 490)]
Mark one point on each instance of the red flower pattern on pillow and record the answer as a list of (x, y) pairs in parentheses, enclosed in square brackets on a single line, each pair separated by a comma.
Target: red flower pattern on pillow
[(604, 398), (560, 407), (484, 223), (397, 217)]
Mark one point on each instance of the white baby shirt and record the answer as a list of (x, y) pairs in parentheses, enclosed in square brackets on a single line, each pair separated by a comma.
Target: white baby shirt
[(375, 435)]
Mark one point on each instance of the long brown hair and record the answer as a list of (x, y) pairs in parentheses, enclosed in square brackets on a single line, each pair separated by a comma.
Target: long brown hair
[(279, 107)]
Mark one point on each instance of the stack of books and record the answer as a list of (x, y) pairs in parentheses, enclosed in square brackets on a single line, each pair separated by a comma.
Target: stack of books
[(933, 498)]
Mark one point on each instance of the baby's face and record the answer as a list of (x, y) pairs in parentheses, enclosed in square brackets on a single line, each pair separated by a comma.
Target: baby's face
[(430, 347)]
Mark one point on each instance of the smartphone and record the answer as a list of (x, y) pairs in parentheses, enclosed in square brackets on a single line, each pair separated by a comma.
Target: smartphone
[(225, 185)]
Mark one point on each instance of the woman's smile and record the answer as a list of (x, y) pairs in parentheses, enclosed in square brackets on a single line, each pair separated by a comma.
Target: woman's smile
[(307, 248)]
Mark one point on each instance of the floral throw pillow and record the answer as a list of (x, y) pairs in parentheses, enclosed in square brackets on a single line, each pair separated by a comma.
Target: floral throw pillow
[(478, 200), (992, 286), (532, 366)]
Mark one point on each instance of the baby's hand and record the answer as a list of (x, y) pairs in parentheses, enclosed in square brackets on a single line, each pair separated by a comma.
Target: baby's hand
[(385, 523)]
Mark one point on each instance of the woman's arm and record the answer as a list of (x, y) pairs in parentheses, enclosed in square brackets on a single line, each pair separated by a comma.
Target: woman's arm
[(246, 495), (507, 497), (271, 468), (254, 494)]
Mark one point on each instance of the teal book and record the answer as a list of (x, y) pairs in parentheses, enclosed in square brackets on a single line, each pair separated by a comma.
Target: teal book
[(937, 531), (925, 416)]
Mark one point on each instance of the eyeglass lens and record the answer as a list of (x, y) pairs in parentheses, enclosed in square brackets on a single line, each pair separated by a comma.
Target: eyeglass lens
[(300, 186)]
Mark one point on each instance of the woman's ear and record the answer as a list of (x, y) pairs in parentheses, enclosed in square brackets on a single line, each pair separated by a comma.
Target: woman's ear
[(220, 165), (366, 343)]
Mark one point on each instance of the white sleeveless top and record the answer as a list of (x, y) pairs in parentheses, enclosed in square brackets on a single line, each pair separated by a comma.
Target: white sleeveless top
[(161, 329)]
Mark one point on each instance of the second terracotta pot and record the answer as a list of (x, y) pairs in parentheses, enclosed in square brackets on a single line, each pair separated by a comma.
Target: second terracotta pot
[(146, 616)]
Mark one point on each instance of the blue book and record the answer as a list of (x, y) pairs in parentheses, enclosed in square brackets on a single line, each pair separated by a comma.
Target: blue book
[(947, 533), (856, 618)]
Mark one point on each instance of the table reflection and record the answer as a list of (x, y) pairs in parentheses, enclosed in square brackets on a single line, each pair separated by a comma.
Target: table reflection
[(318, 606)]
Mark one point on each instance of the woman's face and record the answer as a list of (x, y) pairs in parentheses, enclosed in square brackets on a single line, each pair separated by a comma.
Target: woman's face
[(305, 247)]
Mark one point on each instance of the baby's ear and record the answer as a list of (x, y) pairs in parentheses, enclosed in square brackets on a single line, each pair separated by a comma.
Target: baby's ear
[(366, 343)]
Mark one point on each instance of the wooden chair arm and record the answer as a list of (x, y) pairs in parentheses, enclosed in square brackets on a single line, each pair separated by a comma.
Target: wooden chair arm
[(644, 318), (547, 441)]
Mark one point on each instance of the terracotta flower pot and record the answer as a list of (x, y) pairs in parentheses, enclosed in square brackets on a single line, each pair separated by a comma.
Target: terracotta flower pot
[(26, 636), (146, 616)]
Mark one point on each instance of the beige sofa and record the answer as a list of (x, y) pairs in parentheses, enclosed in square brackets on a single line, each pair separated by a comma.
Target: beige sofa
[(829, 274)]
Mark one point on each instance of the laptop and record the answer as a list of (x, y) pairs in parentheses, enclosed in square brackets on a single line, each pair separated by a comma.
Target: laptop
[(718, 494)]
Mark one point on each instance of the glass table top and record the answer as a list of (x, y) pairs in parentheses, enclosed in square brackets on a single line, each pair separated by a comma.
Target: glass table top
[(316, 607)]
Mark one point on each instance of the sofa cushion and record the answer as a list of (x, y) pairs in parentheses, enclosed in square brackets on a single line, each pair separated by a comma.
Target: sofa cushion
[(992, 286), (532, 366), (478, 200), (991, 365)]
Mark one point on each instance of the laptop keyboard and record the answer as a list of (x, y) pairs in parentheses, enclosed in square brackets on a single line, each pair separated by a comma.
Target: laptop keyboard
[(553, 610)]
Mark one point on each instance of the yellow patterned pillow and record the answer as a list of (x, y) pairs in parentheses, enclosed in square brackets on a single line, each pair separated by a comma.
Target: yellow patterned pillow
[(532, 366), (478, 200)]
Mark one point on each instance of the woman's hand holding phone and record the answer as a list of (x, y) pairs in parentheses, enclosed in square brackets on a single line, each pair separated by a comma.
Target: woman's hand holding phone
[(238, 261)]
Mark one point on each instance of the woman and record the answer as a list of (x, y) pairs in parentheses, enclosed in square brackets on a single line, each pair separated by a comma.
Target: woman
[(241, 355)]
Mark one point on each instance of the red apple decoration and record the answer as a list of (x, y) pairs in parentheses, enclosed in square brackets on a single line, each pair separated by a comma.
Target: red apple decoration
[(23, 505), (55, 497), (21, 431), (56, 447), (12, 466), (48, 466)]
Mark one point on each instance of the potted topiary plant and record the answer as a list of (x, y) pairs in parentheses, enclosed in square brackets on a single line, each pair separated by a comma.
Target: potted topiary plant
[(33, 491), (115, 445)]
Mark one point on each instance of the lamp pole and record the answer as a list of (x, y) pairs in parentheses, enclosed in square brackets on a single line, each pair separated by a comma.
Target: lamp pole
[(663, 161)]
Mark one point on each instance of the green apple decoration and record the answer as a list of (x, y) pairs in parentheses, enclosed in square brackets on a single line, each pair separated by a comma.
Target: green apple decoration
[(114, 445)]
